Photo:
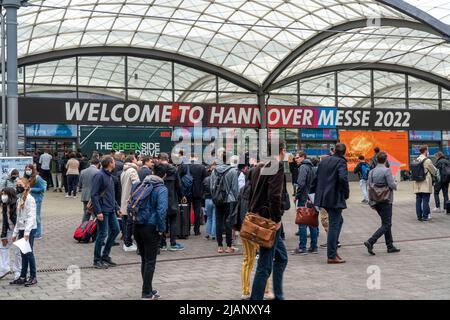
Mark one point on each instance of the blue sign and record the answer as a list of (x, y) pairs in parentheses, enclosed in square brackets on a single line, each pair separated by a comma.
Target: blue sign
[(425, 135), (51, 130), (318, 134)]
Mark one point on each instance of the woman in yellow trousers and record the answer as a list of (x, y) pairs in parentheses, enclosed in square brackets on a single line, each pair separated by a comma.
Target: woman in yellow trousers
[(249, 252)]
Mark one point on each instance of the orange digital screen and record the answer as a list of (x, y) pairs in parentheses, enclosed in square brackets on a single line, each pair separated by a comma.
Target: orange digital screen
[(395, 144)]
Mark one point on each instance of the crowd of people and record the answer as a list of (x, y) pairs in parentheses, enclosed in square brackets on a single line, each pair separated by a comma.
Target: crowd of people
[(148, 201)]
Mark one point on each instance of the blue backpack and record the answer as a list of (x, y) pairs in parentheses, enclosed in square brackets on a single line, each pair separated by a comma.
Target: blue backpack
[(137, 205), (187, 181), (365, 169)]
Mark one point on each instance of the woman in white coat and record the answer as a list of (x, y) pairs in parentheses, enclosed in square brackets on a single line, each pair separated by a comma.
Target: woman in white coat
[(26, 228)]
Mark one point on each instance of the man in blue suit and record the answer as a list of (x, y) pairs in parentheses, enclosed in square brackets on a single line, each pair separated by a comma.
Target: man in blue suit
[(332, 190)]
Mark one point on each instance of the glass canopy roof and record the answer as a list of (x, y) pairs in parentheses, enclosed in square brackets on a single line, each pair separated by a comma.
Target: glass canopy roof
[(248, 38)]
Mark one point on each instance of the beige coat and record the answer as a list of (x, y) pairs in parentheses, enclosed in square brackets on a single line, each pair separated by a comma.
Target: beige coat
[(425, 186), (128, 177)]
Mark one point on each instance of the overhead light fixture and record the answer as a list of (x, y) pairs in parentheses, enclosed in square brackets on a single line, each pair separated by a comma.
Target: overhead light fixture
[(136, 77)]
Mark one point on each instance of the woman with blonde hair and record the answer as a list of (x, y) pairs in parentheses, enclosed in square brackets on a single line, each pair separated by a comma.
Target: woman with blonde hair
[(25, 228)]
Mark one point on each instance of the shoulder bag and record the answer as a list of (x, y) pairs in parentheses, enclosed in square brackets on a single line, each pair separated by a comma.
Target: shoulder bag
[(377, 192), (307, 215)]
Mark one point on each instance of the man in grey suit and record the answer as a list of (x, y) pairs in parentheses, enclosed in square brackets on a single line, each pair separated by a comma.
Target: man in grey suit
[(85, 184)]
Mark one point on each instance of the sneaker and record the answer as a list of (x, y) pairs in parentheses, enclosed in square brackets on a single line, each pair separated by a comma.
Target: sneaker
[(339, 244), (313, 251), (38, 238), (220, 250), (393, 250), (100, 265), (131, 248), (207, 237), (67, 196), (269, 296), (20, 282), (31, 282), (298, 251), (436, 210), (177, 247), (74, 197), (324, 245), (153, 296), (164, 248), (109, 262), (55, 190), (231, 250), (245, 297)]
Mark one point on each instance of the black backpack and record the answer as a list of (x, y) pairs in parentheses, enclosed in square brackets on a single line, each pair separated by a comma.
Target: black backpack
[(219, 193), (445, 174), (187, 181), (417, 168)]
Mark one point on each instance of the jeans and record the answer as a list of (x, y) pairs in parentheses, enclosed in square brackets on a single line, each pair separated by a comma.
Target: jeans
[(38, 218), (437, 188), (45, 174), (335, 221), (171, 226), (423, 205), (250, 248), (303, 235), (72, 183), (222, 213), (363, 187), (147, 240), (86, 215), (127, 230), (274, 259), (28, 259), (197, 206), (109, 227), (384, 210), (210, 212), (57, 180)]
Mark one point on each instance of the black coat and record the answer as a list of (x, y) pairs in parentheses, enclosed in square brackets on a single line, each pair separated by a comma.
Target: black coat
[(172, 183), (332, 188), (293, 168), (12, 215), (198, 173)]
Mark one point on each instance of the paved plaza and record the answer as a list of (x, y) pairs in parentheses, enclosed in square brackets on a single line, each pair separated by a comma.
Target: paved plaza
[(419, 271)]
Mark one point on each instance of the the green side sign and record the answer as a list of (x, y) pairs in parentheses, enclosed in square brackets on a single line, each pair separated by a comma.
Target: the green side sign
[(145, 141)]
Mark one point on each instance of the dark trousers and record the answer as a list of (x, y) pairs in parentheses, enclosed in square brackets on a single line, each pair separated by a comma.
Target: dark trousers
[(109, 227), (171, 227), (222, 213), (45, 174), (28, 259), (334, 230), (197, 206), (274, 259), (72, 183), (423, 205), (384, 210), (127, 230), (438, 187), (147, 239)]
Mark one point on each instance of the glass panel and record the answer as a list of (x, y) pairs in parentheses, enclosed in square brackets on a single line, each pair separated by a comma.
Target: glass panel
[(354, 83)]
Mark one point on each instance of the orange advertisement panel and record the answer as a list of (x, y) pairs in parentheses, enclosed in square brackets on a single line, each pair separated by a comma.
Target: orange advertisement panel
[(362, 143)]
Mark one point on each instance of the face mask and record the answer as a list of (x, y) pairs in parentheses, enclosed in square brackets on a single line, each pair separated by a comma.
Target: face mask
[(28, 173), (5, 198), (20, 189)]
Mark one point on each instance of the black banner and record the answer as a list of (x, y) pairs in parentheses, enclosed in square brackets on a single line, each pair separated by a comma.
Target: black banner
[(168, 114)]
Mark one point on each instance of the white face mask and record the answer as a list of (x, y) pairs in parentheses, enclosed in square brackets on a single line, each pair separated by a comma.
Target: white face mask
[(28, 172), (5, 198)]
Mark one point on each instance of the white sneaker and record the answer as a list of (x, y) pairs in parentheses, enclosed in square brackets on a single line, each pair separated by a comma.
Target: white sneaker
[(74, 197), (269, 296), (131, 248), (245, 297), (436, 210), (67, 196)]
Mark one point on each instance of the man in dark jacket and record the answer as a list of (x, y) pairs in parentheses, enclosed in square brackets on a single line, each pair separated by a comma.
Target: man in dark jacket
[(267, 193), (198, 173), (172, 183), (331, 192), (146, 169), (443, 166), (105, 209), (293, 168), (304, 182)]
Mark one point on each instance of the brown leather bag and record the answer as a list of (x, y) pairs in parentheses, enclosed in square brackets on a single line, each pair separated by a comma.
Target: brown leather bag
[(307, 215), (259, 230)]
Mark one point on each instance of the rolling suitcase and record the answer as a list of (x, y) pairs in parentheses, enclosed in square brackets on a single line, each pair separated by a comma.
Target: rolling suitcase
[(183, 222)]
